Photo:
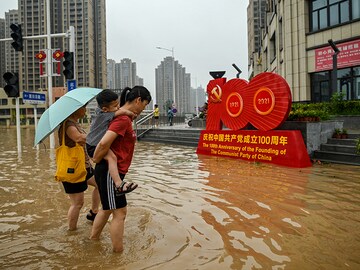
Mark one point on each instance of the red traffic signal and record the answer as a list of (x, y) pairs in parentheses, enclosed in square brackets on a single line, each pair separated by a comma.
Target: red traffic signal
[(16, 35), (12, 84), (68, 65)]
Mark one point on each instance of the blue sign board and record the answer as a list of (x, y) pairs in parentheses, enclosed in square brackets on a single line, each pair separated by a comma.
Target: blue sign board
[(71, 85), (34, 98)]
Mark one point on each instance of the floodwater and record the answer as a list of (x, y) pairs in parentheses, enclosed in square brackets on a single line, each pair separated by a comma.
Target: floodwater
[(189, 212)]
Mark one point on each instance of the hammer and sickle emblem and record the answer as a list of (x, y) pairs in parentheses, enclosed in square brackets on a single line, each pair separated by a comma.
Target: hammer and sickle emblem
[(216, 95)]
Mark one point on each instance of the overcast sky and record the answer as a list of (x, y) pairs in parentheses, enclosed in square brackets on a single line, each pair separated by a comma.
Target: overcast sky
[(206, 35)]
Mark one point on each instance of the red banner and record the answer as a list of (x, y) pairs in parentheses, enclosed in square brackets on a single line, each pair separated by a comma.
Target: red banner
[(349, 56), (282, 147)]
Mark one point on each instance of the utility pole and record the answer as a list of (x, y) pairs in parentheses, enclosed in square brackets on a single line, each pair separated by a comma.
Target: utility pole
[(49, 64)]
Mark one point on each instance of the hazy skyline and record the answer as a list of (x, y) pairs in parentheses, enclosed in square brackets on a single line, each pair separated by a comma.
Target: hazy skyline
[(206, 35)]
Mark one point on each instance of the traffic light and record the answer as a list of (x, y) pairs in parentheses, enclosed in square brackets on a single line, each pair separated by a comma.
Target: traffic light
[(68, 65), (12, 84), (17, 37)]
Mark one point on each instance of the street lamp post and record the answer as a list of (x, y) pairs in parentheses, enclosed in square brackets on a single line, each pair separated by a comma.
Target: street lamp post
[(334, 71), (196, 98), (197, 101), (173, 70)]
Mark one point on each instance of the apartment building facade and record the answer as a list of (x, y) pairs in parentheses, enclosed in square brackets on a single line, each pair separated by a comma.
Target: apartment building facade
[(27, 111), (173, 86), (295, 44), (197, 99), (110, 74), (126, 74)]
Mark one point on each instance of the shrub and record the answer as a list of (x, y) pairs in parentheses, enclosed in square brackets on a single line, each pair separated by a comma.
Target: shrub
[(308, 112), (323, 110), (339, 106), (358, 146)]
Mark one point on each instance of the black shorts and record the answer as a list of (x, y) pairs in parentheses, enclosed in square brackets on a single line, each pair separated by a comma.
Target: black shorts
[(90, 150), (71, 188), (110, 197)]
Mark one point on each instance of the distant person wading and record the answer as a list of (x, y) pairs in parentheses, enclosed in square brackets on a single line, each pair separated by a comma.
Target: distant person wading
[(170, 115)]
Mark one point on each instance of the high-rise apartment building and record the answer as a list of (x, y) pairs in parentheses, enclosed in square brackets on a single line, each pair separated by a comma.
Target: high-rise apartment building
[(2, 49), (255, 22), (197, 99), (167, 75), (126, 74), (139, 81), (88, 19), (110, 74), (295, 44)]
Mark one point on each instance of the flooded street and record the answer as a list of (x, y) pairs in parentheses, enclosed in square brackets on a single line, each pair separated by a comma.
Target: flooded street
[(189, 212)]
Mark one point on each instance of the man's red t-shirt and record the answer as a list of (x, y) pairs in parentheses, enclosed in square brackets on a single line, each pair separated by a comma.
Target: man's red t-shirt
[(123, 145)]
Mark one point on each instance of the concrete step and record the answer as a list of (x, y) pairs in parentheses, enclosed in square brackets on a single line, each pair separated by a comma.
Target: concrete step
[(339, 148), (152, 134), (157, 137), (354, 135), (173, 136), (191, 143), (177, 131), (337, 157), (349, 142)]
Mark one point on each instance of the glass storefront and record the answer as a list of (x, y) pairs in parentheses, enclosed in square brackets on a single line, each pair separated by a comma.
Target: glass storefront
[(348, 83)]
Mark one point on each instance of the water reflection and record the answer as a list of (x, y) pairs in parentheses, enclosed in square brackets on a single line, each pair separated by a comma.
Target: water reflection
[(190, 212)]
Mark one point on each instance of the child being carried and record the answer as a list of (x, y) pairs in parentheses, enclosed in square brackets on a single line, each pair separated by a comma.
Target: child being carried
[(108, 102)]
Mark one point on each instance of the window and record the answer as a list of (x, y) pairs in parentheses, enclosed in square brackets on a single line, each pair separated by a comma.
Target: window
[(327, 13), (356, 9), (334, 19), (280, 35), (356, 82), (320, 86), (344, 84), (265, 55), (344, 12), (272, 48), (4, 111)]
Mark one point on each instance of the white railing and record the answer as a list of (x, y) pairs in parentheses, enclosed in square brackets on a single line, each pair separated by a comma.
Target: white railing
[(144, 124)]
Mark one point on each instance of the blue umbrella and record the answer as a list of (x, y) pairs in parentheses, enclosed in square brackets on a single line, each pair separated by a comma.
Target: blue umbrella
[(62, 109)]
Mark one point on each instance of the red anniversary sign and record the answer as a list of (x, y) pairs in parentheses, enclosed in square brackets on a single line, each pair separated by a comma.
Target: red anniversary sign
[(264, 103), (277, 146)]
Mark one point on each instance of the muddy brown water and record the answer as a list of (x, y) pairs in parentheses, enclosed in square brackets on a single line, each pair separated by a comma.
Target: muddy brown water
[(190, 212)]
